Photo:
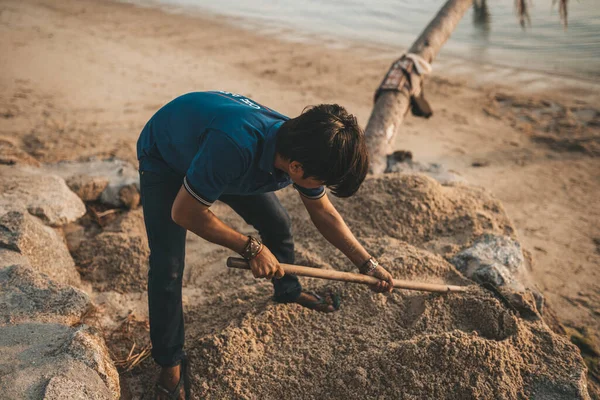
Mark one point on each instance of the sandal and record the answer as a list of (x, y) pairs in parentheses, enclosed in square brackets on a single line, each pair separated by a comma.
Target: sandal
[(183, 380), (335, 301)]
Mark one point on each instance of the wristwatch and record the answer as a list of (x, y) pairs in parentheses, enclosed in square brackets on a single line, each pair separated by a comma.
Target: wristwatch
[(252, 248), (368, 266)]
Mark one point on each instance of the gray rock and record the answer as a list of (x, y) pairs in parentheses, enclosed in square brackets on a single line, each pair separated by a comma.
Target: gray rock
[(123, 184), (44, 249), (29, 296), (33, 354), (46, 196), (74, 388), (87, 346), (494, 259), (433, 170)]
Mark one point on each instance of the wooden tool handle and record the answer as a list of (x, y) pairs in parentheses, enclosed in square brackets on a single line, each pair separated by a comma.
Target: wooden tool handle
[(240, 263)]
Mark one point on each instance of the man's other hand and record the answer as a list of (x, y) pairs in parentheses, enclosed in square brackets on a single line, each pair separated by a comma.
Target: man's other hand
[(265, 265), (386, 283)]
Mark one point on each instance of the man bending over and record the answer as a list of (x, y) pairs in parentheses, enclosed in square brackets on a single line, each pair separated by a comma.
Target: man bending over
[(208, 146)]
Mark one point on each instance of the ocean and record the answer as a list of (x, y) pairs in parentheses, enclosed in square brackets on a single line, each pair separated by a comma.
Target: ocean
[(489, 34)]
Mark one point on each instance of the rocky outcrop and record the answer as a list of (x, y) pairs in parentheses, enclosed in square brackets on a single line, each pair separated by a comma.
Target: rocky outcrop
[(29, 296), (52, 361), (44, 351), (42, 247), (33, 190)]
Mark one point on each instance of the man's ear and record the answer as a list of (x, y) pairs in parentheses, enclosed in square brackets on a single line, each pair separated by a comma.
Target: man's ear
[(296, 169)]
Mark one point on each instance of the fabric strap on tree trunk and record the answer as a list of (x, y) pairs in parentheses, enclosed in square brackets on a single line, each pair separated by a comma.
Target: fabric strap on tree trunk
[(401, 76)]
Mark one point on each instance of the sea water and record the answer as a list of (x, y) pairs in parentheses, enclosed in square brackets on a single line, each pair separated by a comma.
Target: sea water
[(490, 33)]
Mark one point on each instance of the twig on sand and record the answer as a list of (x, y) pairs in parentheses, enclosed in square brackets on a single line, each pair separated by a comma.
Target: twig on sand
[(124, 334), (133, 359)]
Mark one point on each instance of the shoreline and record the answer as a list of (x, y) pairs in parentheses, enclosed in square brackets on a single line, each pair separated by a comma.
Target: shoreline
[(297, 35)]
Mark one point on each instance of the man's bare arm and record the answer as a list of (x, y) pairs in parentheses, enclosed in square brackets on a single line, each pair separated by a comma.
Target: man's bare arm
[(194, 216), (333, 228)]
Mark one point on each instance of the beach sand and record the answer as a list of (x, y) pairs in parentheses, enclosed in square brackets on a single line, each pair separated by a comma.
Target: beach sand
[(81, 78)]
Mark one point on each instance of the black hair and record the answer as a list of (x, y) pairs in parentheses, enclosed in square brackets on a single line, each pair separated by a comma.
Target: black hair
[(329, 144)]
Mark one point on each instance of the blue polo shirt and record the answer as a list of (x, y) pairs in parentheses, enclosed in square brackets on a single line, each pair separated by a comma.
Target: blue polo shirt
[(219, 143)]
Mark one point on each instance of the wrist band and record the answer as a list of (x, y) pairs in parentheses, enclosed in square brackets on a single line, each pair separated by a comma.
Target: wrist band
[(369, 266), (252, 248)]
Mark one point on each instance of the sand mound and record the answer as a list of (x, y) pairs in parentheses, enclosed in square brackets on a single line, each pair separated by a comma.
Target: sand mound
[(412, 208), (419, 345), (116, 258), (411, 345)]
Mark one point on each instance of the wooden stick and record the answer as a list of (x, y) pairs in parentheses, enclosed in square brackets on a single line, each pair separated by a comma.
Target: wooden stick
[(390, 108), (240, 263)]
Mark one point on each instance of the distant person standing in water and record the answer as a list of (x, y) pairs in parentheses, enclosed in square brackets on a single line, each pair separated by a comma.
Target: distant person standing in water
[(208, 146)]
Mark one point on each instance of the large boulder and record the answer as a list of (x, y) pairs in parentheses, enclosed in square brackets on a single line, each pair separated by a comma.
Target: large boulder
[(29, 296), (117, 258), (112, 181), (51, 361), (46, 196), (42, 247)]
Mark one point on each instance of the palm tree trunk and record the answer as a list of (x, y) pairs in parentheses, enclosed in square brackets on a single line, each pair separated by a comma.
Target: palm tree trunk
[(391, 106)]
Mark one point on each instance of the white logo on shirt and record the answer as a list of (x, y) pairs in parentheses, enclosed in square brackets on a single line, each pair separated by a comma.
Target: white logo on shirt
[(244, 100)]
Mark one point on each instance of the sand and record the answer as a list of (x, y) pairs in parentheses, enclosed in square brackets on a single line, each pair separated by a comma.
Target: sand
[(80, 78), (456, 346)]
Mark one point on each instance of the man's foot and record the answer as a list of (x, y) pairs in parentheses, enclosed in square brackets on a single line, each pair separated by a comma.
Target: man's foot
[(168, 379), (328, 303)]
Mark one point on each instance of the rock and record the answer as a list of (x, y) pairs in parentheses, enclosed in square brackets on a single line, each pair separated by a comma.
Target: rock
[(73, 388), (494, 259), (33, 354), (9, 258), (433, 170), (10, 154), (88, 346), (45, 196), (41, 245), (117, 258), (29, 296), (122, 179), (86, 187)]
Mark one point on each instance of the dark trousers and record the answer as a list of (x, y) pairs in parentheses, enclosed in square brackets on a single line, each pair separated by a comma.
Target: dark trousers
[(167, 254)]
